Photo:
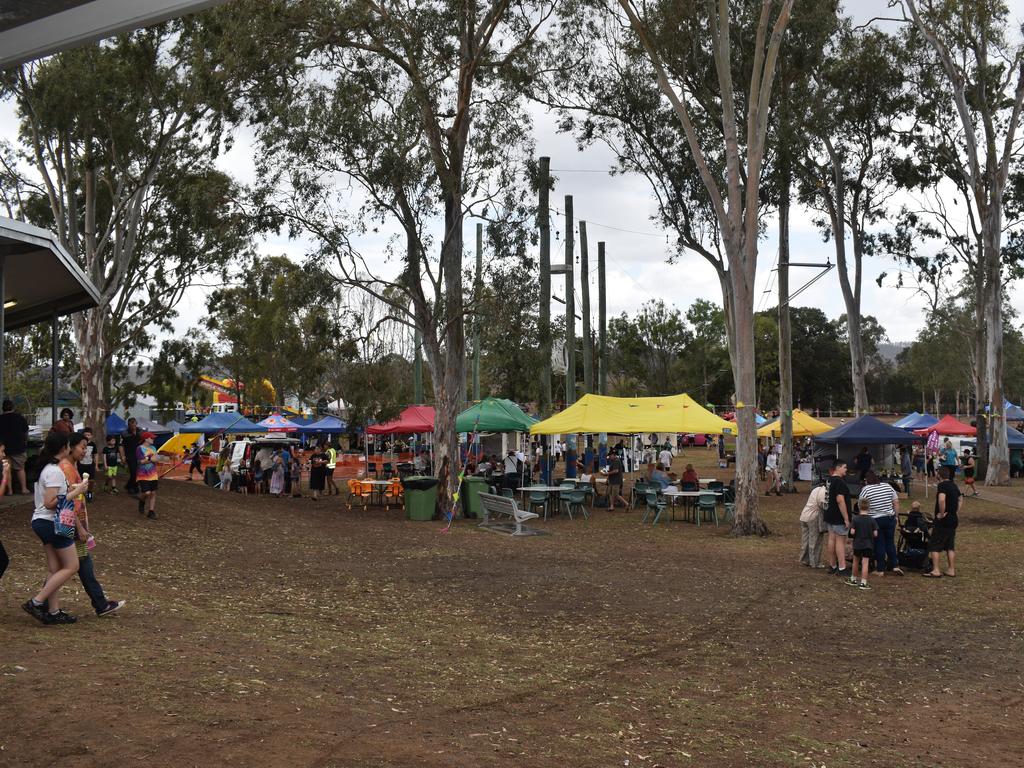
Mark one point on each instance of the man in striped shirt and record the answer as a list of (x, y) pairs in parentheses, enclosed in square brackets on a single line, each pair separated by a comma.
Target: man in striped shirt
[(880, 501)]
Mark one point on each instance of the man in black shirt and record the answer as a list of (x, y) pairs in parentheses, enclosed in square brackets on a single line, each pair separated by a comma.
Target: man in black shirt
[(130, 442), (837, 517), (14, 435), (943, 539)]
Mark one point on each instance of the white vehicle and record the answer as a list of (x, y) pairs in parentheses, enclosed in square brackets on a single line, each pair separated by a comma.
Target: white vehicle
[(224, 408)]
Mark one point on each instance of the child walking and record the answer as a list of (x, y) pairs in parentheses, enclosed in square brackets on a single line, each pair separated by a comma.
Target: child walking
[(865, 531), (111, 459)]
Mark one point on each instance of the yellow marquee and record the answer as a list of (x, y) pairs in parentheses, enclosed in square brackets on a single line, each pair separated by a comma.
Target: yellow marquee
[(803, 426), (593, 414)]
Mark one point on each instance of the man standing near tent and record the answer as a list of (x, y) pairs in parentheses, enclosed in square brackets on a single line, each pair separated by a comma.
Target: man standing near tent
[(665, 457), (332, 462), (837, 516), (510, 470), (130, 446), (14, 435)]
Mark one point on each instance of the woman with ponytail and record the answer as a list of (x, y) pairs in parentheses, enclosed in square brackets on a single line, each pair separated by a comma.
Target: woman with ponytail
[(61, 558)]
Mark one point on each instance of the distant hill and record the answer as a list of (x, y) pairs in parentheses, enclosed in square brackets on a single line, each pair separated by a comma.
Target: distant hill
[(890, 350)]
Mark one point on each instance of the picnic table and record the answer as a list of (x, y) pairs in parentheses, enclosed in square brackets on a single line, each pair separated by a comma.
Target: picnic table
[(551, 493), (673, 495)]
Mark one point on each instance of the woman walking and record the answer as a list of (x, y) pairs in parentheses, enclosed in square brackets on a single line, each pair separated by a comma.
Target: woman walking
[(277, 475), (52, 495), (86, 569), (882, 505)]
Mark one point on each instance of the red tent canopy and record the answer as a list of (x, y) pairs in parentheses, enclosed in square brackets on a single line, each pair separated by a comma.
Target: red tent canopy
[(414, 420), (947, 425)]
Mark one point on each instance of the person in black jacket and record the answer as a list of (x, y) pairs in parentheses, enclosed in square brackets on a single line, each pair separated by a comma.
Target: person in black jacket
[(130, 443)]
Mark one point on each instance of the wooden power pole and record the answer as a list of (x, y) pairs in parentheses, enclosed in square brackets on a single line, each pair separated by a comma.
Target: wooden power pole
[(544, 316), (588, 349), (477, 291), (602, 307)]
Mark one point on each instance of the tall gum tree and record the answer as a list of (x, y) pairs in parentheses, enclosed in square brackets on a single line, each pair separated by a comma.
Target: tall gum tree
[(117, 145), (861, 97), (984, 72), (688, 109), (414, 106)]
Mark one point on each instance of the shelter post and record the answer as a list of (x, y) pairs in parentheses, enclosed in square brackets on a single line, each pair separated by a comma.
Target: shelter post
[(570, 335), (3, 313), (54, 358)]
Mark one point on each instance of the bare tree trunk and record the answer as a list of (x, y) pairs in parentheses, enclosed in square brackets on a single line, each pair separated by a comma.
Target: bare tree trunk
[(998, 470), (850, 290), (741, 349), (92, 357)]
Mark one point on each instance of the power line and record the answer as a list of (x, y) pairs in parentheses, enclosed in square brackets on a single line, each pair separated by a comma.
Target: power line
[(618, 229)]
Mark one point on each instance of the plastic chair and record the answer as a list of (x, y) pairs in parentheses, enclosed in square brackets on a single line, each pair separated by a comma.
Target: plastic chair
[(638, 491), (360, 490), (508, 493), (716, 485), (707, 502), (655, 506), (387, 470), (394, 490), (538, 499), (371, 469), (575, 500)]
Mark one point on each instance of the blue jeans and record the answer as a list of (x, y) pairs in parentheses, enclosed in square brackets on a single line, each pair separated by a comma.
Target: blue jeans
[(885, 544), (87, 575)]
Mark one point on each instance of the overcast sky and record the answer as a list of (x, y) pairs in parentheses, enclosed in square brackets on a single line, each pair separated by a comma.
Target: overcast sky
[(619, 211)]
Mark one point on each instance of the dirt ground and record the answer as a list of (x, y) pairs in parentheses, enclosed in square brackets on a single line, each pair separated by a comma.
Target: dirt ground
[(264, 632)]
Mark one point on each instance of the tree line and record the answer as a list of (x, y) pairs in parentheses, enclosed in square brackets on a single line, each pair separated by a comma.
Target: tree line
[(383, 128)]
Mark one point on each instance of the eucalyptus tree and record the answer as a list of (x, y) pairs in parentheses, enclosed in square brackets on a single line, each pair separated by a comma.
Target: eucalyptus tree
[(981, 70), (117, 145), (862, 98), (683, 93), (397, 121)]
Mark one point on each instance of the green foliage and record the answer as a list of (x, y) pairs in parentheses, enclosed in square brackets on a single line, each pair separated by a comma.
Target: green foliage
[(645, 348), (275, 323)]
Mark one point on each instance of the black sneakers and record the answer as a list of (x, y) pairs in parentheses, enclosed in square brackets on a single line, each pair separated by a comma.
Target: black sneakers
[(112, 606), (35, 611), (60, 618)]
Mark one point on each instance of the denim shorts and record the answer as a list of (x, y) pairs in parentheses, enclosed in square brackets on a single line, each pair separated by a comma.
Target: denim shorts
[(839, 530), (44, 530)]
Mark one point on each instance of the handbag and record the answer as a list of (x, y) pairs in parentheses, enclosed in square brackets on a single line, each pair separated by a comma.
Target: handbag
[(64, 517)]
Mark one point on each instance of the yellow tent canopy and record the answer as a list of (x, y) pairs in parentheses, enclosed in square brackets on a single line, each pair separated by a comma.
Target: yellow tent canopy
[(179, 443), (593, 414), (803, 426)]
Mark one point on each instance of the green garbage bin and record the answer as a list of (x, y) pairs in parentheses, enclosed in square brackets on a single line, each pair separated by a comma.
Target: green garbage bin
[(469, 496), (420, 497)]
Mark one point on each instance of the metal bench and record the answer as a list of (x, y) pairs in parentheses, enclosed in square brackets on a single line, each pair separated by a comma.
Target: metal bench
[(501, 507)]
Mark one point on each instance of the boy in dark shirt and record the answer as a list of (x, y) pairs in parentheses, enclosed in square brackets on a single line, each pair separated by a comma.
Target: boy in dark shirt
[(865, 531), (943, 538), (111, 460)]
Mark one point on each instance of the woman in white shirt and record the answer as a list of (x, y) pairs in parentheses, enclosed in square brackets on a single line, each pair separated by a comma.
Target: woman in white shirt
[(61, 557), (771, 464)]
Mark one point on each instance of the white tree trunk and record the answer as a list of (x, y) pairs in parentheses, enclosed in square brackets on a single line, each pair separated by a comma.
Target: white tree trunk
[(998, 471)]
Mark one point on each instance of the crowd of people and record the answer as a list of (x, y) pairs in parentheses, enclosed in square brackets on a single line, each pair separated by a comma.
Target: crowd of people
[(869, 524), (68, 466)]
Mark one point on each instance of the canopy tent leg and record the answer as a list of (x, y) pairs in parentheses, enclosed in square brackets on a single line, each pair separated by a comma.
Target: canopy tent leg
[(55, 357), (3, 313)]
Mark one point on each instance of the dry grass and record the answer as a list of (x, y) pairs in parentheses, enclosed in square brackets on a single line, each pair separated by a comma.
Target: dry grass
[(307, 635)]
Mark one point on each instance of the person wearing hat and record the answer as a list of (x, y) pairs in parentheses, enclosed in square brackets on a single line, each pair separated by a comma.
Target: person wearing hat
[(147, 475)]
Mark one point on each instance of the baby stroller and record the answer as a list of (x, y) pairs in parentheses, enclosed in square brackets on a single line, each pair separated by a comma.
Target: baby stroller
[(912, 545)]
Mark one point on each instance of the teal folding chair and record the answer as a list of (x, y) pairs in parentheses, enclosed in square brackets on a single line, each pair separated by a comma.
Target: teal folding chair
[(655, 506), (538, 499), (707, 502), (639, 491), (575, 500)]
